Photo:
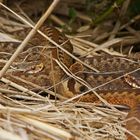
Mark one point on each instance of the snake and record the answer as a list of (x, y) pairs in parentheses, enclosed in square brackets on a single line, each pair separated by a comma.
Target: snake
[(123, 91)]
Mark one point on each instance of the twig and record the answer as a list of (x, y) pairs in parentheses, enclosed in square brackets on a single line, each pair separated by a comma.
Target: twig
[(28, 37), (118, 23), (46, 127), (21, 88)]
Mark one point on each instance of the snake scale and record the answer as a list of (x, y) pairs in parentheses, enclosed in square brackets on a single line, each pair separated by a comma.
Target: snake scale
[(119, 91)]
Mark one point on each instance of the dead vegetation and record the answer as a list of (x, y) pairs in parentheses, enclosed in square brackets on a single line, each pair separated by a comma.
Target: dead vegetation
[(30, 107)]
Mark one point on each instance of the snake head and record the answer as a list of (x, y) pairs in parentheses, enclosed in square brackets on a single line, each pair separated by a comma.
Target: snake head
[(35, 69)]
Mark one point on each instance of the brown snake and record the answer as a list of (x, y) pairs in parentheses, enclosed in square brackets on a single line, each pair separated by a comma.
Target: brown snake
[(118, 92)]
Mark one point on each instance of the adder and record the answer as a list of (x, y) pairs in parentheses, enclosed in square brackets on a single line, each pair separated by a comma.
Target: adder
[(124, 90)]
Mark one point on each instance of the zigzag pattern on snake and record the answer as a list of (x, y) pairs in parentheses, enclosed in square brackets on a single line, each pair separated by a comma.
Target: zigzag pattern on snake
[(110, 67)]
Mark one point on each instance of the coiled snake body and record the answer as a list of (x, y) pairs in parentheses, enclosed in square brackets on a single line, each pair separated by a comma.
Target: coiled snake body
[(117, 92)]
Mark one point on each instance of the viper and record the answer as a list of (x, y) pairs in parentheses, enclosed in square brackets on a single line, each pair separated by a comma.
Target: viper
[(54, 62)]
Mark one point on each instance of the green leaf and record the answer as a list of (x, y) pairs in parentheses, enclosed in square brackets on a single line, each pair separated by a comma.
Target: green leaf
[(72, 13)]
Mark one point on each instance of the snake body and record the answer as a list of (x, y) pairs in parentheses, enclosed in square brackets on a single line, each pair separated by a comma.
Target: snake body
[(117, 88), (116, 92), (46, 54)]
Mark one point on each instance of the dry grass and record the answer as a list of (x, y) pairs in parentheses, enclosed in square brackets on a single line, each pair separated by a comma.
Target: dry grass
[(26, 115)]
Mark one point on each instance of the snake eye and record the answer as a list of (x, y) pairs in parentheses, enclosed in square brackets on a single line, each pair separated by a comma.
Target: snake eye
[(82, 89)]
